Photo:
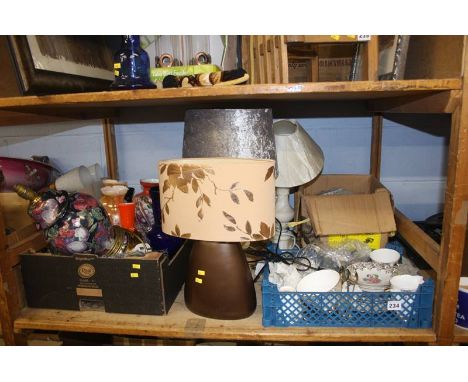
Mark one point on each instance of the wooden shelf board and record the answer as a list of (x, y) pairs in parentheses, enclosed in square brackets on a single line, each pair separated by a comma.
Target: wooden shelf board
[(9, 118), (420, 241), (354, 98), (180, 323), (304, 91), (460, 335)]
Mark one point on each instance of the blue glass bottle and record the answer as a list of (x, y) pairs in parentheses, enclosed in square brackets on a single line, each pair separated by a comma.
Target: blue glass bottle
[(131, 66), (159, 241)]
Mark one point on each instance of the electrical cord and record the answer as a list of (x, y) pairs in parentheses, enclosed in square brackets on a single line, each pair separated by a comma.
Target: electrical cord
[(289, 258)]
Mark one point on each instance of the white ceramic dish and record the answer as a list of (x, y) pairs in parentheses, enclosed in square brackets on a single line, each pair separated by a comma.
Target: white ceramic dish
[(320, 281), (385, 256), (405, 283)]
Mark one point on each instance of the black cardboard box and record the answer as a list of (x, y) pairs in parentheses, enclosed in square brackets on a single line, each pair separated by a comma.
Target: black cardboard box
[(135, 285)]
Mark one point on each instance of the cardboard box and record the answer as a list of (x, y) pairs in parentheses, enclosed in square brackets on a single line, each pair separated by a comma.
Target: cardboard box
[(366, 214), (300, 69), (335, 62), (136, 285), (15, 211)]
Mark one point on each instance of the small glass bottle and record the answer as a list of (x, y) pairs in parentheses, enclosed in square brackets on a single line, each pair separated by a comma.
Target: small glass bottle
[(131, 66)]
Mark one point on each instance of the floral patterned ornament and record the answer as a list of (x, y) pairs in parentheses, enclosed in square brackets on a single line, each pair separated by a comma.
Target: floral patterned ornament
[(85, 228), (218, 199), (72, 223)]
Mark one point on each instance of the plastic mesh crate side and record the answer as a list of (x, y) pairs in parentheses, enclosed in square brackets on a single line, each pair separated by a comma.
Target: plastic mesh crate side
[(426, 304), (414, 310), (268, 294), (338, 309)]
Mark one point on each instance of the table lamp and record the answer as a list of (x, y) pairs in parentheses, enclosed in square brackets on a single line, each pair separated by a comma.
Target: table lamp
[(218, 202), (299, 160)]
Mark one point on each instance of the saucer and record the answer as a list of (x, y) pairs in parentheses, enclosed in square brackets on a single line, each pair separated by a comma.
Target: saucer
[(369, 288)]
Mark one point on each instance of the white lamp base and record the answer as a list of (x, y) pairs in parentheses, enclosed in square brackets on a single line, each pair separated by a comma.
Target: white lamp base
[(284, 213), (287, 240)]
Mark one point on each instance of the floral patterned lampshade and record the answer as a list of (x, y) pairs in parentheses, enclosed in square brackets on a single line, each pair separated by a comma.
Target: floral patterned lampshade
[(218, 199)]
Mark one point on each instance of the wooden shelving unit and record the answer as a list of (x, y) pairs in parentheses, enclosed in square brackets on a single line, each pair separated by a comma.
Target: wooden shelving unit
[(460, 335), (371, 98), (181, 323)]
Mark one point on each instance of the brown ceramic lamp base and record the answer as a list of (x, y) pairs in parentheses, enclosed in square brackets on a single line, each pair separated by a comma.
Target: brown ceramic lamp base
[(219, 282)]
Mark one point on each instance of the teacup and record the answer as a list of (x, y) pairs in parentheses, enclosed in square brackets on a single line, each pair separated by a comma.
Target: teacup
[(370, 276), (385, 256), (405, 283)]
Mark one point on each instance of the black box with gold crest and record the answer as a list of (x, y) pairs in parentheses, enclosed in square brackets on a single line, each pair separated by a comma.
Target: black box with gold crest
[(134, 285)]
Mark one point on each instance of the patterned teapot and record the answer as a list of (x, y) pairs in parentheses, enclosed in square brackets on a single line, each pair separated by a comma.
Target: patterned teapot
[(72, 223)]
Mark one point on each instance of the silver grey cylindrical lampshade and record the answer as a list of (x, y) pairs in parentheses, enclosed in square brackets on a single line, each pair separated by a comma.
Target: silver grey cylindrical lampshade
[(236, 133)]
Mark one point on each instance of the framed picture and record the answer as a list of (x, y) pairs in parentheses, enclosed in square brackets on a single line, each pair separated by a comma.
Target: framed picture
[(393, 51), (61, 64)]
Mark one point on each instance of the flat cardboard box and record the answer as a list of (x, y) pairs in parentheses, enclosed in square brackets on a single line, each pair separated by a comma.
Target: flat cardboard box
[(366, 214), (135, 285)]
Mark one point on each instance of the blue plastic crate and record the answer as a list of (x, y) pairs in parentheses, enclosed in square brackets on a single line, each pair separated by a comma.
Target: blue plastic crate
[(343, 309)]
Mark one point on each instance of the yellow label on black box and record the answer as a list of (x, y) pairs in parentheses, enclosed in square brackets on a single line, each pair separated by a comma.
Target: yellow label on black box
[(117, 65), (373, 240)]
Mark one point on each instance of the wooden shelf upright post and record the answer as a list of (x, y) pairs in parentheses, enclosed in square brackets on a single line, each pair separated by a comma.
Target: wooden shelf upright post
[(455, 216), (110, 146)]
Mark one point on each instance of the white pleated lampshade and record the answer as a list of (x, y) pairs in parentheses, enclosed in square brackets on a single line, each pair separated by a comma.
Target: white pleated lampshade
[(299, 158)]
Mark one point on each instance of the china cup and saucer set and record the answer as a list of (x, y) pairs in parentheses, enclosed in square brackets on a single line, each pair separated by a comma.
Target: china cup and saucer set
[(380, 274)]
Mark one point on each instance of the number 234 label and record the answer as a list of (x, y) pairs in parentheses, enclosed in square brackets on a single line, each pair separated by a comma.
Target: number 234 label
[(394, 305)]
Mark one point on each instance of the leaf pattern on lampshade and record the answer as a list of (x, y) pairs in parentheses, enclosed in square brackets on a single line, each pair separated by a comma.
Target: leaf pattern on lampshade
[(201, 181)]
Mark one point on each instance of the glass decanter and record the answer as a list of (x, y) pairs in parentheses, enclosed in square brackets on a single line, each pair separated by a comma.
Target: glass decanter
[(131, 66)]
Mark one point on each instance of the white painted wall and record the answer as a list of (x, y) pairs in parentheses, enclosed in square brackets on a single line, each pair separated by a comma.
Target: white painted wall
[(67, 144), (412, 160), (414, 164)]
